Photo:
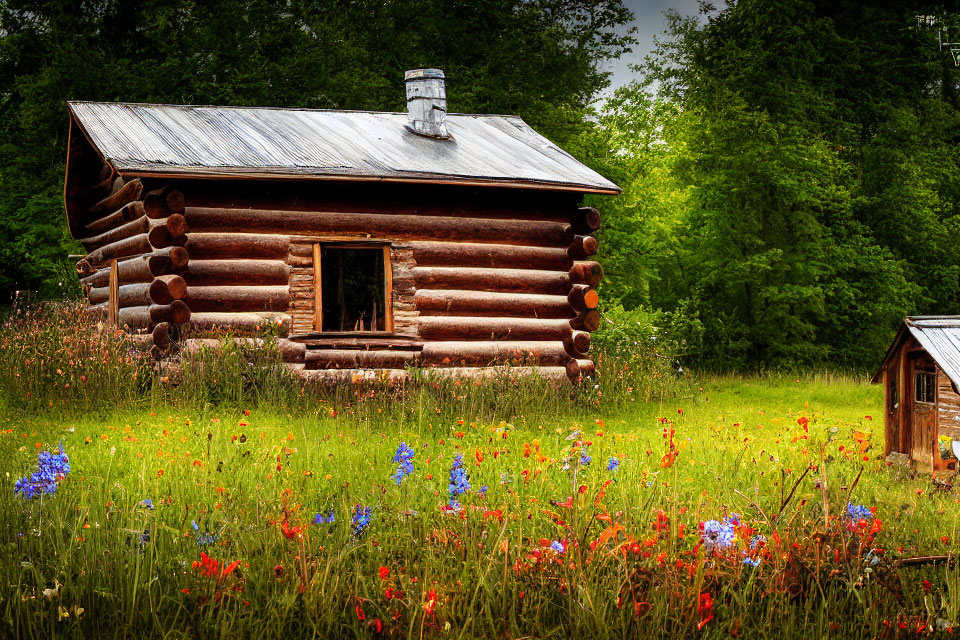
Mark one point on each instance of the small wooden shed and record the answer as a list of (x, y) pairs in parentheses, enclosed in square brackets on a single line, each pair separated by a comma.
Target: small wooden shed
[(367, 240), (921, 402)]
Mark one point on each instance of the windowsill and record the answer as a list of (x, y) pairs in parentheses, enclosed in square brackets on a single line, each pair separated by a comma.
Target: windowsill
[(352, 334)]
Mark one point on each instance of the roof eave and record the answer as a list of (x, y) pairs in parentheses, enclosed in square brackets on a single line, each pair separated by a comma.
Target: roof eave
[(252, 174)]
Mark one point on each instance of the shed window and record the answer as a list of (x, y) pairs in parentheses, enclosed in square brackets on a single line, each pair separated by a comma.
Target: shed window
[(352, 288), (925, 387)]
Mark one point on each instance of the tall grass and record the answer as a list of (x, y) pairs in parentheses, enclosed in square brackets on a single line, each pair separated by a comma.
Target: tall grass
[(238, 458)]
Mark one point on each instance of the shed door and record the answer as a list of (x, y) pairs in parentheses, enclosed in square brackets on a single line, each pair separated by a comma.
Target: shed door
[(923, 396)]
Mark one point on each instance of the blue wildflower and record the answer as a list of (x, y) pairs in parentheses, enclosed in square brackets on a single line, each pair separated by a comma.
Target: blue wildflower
[(753, 562), (856, 513), (404, 457), (717, 535), (51, 468), (148, 503), (557, 546), (584, 458), (613, 464), (320, 519), (361, 520), (459, 481)]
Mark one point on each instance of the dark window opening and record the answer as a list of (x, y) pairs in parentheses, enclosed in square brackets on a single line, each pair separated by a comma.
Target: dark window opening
[(925, 387), (353, 288), (893, 393)]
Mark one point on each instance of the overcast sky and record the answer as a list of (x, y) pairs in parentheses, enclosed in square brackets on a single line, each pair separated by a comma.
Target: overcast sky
[(649, 21)]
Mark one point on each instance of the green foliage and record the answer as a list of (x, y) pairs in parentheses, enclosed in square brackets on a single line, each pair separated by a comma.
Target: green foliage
[(538, 59), (791, 181)]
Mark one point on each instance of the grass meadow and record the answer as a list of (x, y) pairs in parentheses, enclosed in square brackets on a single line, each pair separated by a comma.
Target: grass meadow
[(229, 501)]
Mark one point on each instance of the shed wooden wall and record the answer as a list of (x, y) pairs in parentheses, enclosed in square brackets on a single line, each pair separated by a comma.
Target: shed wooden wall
[(481, 276)]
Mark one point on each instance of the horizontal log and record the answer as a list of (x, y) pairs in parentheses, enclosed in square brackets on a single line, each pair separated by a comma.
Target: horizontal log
[(164, 334), (582, 247), (577, 345), (161, 236), (162, 290), (484, 354), (177, 312), (103, 189), (84, 268), (556, 376), (213, 246), (136, 269), (588, 273), (105, 172), (239, 323), (447, 328), (359, 359), (163, 202), (582, 297), (124, 214), (414, 227), (194, 345), (431, 302), (128, 193), (237, 272), (291, 351), (178, 256), (173, 227), (135, 318), (574, 373), (469, 254), (587, 368), (125, 248), (588, 321), (238, 298), (586, 220), (503, 280)]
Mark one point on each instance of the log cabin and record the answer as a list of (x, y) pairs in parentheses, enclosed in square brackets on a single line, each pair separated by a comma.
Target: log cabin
[(362, 240), (920, 375)]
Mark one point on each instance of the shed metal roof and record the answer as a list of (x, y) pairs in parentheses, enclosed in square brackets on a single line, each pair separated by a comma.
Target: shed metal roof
[(207, 141), (938, 335)]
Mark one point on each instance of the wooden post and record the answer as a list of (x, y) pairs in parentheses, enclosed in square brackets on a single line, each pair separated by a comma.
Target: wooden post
[(113, 308), (387, 292), (317, 290)]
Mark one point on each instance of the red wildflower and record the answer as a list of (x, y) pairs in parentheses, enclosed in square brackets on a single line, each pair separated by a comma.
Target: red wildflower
[(706, 610), (290, 532), (384, 573)]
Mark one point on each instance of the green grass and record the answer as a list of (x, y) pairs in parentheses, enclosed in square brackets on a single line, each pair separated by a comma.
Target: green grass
[(741, 449)]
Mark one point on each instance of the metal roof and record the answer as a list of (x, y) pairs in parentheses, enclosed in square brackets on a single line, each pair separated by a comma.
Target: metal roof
[(206, 141), (938, 335)]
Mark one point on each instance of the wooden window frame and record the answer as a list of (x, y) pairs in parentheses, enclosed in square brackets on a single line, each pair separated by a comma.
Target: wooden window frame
[(318, 285), (930, 388)]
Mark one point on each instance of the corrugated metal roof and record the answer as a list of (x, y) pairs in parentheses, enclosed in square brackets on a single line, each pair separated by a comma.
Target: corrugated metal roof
[(204, 141), (938, 335)]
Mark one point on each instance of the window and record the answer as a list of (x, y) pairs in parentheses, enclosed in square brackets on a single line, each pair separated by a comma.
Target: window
[(352, 288), (925, 387)]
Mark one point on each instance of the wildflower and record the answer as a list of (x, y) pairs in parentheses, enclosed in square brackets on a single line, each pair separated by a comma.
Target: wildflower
[(290, 532), (717, 535), (404, 458), (557, 546), (613, 464), (361, 520), (148, 503), (51, 468), (320, 519), (705, 607), (278, 571), (384, 573), (459, 481), (857, 514)]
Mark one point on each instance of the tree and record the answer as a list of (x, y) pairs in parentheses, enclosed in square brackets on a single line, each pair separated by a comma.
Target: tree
[(539, 59)]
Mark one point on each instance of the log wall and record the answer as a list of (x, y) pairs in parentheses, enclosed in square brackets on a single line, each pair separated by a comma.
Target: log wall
[(948, 406), (480, 276)]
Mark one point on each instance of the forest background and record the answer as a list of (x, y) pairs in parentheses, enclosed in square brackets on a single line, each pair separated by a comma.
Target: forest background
[(791, 168)]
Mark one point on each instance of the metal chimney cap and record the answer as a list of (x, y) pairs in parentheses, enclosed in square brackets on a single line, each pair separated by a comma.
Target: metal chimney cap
[(416, 74)]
